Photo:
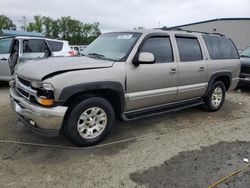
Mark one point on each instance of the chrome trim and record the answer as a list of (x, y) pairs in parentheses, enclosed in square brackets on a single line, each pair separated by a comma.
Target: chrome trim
[(151, 93)]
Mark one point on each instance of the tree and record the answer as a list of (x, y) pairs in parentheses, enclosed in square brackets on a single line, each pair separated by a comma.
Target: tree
[(37, 25), (6, 23), (48, 24)]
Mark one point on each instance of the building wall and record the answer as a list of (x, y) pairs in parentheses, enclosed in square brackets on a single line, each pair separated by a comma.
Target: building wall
[(237, 30)]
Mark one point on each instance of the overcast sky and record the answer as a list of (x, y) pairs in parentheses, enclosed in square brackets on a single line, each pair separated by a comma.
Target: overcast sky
[(116, 15)]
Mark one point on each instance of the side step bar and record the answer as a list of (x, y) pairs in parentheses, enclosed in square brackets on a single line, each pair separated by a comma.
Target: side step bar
[(129, 116)]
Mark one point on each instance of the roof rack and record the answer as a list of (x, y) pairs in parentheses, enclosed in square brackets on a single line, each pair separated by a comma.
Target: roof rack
[(190, 31)]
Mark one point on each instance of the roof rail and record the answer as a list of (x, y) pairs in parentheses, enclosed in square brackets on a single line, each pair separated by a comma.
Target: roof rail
[(190, 31)]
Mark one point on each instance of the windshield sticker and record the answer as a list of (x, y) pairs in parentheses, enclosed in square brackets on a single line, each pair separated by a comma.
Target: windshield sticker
[(124, 37)]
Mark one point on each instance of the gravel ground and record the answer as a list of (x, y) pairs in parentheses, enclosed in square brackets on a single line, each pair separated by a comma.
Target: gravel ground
[(190, 148)]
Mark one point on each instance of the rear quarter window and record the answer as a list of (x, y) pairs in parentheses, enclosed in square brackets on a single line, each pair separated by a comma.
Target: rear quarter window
[(55, 46), (220, 48)]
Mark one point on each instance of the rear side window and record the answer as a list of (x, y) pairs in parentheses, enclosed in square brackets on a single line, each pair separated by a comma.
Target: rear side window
[(55, 46), (189, 49), (5, 46), (33, 46), (220, 48), (160, 47)]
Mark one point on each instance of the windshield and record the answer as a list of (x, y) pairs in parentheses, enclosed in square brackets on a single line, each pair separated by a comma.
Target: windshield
[(112, 46), (245, 53)]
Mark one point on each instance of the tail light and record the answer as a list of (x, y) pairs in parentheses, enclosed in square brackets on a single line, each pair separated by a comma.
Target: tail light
[(72, 53)]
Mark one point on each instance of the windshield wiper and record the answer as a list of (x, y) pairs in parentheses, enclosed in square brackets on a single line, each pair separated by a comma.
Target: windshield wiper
[(99, 56)]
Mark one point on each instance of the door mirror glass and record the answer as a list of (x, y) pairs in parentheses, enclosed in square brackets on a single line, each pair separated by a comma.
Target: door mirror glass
[(146, 58)]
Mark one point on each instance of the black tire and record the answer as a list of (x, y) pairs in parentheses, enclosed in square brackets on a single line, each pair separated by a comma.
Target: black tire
[(72, 121), (209, 98)]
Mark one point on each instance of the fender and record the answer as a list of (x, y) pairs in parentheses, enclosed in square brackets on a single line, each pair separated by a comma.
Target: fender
[(69, 91), (215, 76)]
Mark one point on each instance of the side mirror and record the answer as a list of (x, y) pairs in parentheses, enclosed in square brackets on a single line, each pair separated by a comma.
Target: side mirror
[(145, 58)]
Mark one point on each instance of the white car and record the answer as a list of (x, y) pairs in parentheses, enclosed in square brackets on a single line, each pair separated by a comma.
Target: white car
[(22, 48)]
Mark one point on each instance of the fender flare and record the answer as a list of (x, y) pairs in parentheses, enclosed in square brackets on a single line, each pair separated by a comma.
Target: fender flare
[(117, 87), (215, 76)]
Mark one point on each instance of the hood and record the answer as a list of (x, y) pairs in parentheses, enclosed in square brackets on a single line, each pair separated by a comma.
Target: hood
[(45, 68)]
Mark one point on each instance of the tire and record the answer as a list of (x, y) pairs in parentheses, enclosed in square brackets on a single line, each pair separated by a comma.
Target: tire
[(216, 96), (90, 121)]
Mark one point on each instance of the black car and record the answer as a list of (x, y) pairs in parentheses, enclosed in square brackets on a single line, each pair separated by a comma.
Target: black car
[(245, 67)]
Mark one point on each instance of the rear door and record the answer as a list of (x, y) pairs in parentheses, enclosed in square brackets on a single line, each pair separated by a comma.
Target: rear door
[(192, 67), (152, 84), (32, 49), (5, 47)]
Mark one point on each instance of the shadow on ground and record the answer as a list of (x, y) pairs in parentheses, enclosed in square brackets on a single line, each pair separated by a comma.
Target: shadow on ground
[(200, 168)]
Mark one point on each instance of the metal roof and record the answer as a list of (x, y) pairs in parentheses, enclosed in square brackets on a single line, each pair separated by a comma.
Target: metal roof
[(5, 32), (212, 20)]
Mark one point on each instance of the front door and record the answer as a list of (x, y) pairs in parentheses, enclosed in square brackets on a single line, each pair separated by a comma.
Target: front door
[(152, 84), (5, 45)]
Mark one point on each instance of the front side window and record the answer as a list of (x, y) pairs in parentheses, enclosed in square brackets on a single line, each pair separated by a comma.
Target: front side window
[(160, 47), (5, 46), (189, 49), (33, 46), (220, 47), (112, 46)]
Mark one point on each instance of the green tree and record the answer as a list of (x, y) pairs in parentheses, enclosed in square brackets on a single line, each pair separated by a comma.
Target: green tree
[(6, 23), (48, 24), (37, 25)]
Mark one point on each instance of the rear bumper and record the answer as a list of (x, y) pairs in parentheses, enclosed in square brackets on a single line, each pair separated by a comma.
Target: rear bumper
[(43, 120)]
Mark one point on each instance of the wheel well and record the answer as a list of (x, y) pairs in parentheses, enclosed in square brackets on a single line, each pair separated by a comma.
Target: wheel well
[(225, 80), (110, 95)]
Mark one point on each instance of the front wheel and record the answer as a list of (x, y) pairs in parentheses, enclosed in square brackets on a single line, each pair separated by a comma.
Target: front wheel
[(90, 121), (216, 96)]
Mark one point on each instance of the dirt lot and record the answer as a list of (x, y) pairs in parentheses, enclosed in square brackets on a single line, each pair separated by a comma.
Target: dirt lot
[(191, 148)]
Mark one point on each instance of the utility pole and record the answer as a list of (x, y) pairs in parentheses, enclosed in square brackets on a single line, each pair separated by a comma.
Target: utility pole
[(24, 23)]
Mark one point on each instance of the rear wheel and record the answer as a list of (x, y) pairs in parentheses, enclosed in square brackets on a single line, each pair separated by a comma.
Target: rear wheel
[(216, 96), (90, 121)]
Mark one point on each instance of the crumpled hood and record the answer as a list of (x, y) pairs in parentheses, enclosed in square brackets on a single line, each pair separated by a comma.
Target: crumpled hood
[(38, 69)]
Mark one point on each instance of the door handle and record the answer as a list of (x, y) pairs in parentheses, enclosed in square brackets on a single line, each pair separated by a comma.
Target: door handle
[(173, 71), (201, 69), (3, 59)]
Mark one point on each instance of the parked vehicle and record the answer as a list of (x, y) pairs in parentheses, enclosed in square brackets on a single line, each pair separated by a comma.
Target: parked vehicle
[(124, 75), (245, 67), (22, 48)]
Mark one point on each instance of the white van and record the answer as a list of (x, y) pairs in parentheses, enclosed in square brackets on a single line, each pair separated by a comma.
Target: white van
[(21, 48)]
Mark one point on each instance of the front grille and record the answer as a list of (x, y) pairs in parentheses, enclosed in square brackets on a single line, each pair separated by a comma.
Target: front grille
[(24, 82), (23, 93)]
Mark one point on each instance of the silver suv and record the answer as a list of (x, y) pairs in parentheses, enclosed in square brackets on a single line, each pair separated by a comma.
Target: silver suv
[(124, 75)]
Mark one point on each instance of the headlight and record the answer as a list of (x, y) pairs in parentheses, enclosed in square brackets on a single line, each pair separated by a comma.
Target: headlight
[(45, 93)]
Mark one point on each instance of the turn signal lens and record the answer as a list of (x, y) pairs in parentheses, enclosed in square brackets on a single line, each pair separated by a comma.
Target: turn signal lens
[(46, 102)]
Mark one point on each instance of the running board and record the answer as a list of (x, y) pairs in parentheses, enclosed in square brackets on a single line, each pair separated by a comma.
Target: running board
[(129, 116)]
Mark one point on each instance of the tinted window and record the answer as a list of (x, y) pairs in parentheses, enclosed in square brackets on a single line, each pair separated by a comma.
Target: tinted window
[(189, 49), (160, 47), (220, 48), (33, 46), (5, 46), (246, 52), (55, 46)]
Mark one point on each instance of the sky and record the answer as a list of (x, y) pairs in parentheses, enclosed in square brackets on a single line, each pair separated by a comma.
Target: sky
[(115, 15)]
